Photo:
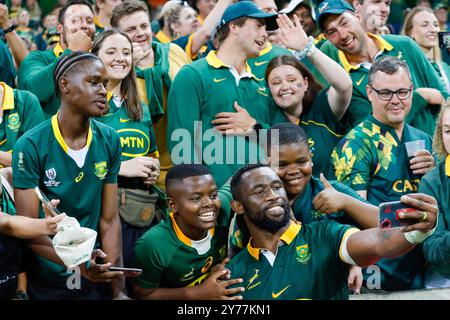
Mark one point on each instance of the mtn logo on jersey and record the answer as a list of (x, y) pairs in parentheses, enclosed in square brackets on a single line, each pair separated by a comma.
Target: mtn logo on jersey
[(134, 142), (51, 176)]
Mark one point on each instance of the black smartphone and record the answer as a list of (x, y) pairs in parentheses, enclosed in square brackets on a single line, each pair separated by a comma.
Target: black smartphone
[(54, 211), (128, 272), (444, 39), (388, 215)]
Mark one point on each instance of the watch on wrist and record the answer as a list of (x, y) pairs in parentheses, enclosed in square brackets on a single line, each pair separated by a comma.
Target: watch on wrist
[(10, 29), (21, 295)]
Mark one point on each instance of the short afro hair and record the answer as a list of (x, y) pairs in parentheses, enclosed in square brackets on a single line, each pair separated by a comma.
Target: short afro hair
[(236, 180), (288, 133), (182, 171)]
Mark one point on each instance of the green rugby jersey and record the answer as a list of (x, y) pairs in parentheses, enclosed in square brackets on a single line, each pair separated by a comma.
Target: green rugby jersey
[(168, 258), (199, 92), (436, 248), (324, 131), (258, 65), (40, 159), (307, 265), (21, 112), (7, 70), (137, 138), (423, 75), (185, 43), (99, 27), (36, 75), (372, 158)]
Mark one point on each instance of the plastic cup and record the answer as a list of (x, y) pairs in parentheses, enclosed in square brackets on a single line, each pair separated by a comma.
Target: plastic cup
[(413, 146)]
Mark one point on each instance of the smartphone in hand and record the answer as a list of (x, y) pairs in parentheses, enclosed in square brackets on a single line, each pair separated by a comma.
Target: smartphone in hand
[(128, 272), (54, 211), (388, 215)]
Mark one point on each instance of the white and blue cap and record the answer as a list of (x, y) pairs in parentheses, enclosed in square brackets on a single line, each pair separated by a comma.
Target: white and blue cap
[(332, 7), (295, 3), (248, 9)]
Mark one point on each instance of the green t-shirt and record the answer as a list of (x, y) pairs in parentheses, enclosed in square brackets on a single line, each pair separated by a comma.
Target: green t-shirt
[(21, 112), (324, 131), (436, 248), (7, 69), (199, 92), (168, 258), (372, 158), (137, 138), (259, 64), (307, 265), (421, 116), (36, 75), (40, 159)]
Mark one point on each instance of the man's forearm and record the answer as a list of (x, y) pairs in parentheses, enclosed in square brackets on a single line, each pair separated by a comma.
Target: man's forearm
[(366, 215)]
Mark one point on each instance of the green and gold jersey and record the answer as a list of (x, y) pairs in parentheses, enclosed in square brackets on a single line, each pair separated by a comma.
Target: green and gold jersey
[(154, 84), (372, 158), (36, 76), (259, 64), (199, 92), (423, 75), (137, 138), (307, 265), (324, 131), (436, 248), (99, 27), (21, 112), (177, 263), (40, 159)]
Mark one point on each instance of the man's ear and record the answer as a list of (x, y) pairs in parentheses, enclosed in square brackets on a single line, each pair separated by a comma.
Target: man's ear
[(172, 205), (237, 207)]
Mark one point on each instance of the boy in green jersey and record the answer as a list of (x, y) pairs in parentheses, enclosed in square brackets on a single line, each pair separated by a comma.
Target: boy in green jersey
[(285, 260), (178, 255)]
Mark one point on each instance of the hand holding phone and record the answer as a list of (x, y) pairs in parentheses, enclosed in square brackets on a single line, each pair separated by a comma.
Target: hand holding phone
[(388, 216), (127, 272), (54, 211)]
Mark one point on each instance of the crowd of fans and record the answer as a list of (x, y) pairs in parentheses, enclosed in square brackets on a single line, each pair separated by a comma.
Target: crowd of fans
[(224, 149)]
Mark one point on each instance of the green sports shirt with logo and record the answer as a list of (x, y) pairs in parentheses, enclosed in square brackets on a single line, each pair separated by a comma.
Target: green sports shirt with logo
[(258, 65), (21, 112), (168, 258), (436, 248), (137, 138), (36, 75), (40, 159), (372, 158), (307, 265), (199, 92), (421, 116)]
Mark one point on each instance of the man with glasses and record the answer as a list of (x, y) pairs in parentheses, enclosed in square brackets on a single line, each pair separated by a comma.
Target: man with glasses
[(372, 159), (355, 49)]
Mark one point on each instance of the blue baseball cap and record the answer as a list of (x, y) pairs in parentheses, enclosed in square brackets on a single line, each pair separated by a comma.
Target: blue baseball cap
[(248, 9), (332, 7)]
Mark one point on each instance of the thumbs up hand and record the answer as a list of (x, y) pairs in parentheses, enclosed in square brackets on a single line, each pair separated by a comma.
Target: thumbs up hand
[(329, 200)]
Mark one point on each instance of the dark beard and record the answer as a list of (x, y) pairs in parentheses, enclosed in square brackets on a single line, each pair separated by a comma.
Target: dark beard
[(265, 223)]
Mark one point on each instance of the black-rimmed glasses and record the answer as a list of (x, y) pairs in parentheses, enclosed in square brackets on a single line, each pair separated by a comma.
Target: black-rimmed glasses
[(386, 94)]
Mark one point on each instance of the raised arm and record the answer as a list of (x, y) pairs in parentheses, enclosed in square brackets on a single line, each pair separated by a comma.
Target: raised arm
[(340, 92)]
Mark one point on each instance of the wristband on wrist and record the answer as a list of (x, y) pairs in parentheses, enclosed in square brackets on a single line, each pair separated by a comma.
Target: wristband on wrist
[(417, 237), (10, 29), (307, 51)]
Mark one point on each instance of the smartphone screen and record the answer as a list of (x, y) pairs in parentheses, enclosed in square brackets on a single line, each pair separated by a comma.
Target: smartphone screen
[(54, 211)]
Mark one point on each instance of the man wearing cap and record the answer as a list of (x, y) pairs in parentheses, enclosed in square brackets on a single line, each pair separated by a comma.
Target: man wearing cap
[(307, 15), (357, 50), (271, 47), (217, 89)]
